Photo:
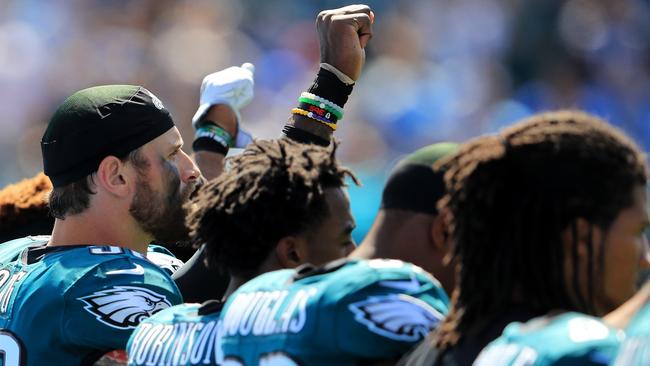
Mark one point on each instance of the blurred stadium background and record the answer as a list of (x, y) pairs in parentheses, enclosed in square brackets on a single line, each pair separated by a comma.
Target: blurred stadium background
[(436, 70)]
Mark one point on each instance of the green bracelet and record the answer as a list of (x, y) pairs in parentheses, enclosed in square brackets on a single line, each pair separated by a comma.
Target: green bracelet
[(325, 106), (216, 133)]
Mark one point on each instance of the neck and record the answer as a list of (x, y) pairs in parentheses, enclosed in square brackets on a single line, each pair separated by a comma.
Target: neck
[(406, 236), (236, 280), (92, 228), (234, 283), (394, 237)]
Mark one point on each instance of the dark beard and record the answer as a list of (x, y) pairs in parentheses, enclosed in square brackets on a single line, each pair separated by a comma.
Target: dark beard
[(162, 217)]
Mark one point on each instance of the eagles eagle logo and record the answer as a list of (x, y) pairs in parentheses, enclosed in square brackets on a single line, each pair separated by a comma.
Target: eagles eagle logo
[(400, 317), (124, 307)]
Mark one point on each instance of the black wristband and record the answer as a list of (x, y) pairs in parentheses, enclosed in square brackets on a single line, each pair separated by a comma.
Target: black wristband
[(329, 86), (208, 144), (303, 137)]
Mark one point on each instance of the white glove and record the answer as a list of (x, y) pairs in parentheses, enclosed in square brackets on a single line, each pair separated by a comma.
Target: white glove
[(232, 86)]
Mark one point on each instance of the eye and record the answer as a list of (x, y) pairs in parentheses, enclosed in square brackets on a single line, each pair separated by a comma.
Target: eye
[(173, 155)]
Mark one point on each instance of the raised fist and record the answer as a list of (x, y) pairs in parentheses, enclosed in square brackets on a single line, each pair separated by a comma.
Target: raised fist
[(343, 34), (232, 86)]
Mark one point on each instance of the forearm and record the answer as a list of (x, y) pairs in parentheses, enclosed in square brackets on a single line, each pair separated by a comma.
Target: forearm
[(210, 157), (342, 36)]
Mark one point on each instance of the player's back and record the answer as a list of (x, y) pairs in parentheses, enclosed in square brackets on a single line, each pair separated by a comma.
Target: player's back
[(186, 334), (564, 339), (70, 304), (340, 314), (635, 351)]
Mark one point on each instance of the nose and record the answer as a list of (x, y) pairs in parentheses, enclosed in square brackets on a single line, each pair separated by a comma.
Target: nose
[(189, 171)]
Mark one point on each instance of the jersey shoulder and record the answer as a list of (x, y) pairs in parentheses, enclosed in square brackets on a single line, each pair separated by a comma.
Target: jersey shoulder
[(344, 280), (565, 339), (163, 258), (118, 289), (10, 250), (389, 275), (387, 304), (111, 264), (115, 271)]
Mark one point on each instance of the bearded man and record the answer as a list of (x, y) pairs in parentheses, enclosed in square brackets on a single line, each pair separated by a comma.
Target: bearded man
[(119, 181)]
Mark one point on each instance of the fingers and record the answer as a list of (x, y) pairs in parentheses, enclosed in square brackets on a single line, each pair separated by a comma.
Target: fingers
[(359, 16), (326, 15), (362, 23), (248, 66), (352, 9)]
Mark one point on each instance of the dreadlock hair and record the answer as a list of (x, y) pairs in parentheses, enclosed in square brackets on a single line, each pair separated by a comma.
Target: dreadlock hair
[(273, 189), (510, 197), (23, 208)]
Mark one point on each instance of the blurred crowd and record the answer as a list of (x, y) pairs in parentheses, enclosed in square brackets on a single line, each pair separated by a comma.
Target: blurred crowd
[(437, 70)]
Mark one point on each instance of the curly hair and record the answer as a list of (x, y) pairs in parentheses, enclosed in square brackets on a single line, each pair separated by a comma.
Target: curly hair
[(275, 188), (510, 197), (23, 208)]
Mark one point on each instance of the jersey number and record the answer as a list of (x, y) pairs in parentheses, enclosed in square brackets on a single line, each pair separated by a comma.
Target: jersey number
[(12, 353)]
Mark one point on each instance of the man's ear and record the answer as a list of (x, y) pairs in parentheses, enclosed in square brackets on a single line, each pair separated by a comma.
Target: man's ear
[(439, 234), (584, 232), (290, 251), (111, 177)]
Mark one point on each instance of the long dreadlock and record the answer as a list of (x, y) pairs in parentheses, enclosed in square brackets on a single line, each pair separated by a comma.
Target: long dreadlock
[(510, 197), (275, 188)]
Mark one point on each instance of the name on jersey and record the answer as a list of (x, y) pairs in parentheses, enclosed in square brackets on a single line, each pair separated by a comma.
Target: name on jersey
[(264, 313), (8, 282), (183, 343)]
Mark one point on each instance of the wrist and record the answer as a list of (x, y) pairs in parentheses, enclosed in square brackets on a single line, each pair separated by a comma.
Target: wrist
[(328, 86), (211, 137), (223, 116), (307, 132), (320, 108), (339, 74)]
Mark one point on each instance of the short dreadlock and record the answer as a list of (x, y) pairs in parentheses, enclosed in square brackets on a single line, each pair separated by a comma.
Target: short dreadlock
[(23, 208), (509, 198), (275, 188)]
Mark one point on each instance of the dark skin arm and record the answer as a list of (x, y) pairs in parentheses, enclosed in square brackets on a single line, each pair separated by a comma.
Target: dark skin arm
[(342, 35), (211, 163)]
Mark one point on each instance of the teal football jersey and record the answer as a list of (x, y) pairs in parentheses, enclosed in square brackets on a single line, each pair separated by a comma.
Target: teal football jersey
[(70, 305), (339, 314), (635, 351), (185, 334), (565, 339)]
